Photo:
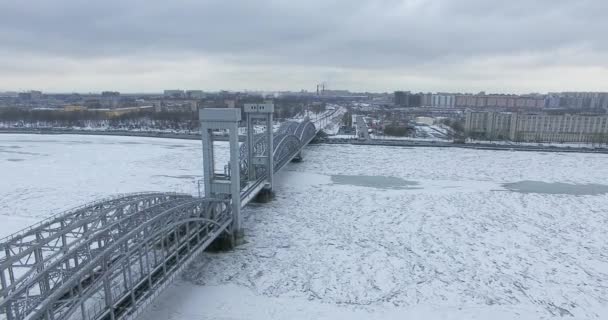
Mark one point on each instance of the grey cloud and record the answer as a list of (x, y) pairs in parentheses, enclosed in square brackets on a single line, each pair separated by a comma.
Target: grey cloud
[(348, 32), (360, 34)]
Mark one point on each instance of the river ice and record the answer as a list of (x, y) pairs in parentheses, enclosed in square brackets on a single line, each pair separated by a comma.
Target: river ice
[(454, 244)]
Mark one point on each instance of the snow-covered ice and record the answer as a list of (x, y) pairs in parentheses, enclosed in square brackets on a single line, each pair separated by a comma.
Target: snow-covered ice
[(451, 243), (456, 241), (41, 174)]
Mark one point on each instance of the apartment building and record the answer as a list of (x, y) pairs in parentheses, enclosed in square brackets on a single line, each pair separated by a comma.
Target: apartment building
[(537, 127), (500, 101)]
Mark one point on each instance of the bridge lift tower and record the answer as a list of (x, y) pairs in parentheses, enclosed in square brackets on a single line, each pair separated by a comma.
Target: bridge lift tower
[(262, 113), (227, 183)]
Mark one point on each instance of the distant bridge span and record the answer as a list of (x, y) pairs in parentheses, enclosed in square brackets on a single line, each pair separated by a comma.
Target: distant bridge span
[(110, 258)]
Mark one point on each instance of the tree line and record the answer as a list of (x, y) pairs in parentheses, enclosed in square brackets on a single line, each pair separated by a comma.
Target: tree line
[(178, 120)]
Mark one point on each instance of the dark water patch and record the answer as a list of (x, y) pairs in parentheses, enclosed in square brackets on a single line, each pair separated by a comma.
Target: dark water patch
[(15, 160), (34, 141), (78, 142), (128, 142), (529, 186), (378, 182), (24, 153), (174, 146), (189, 177)]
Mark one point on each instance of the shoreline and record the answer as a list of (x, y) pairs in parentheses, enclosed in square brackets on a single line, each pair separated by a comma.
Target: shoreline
[(387, 143)]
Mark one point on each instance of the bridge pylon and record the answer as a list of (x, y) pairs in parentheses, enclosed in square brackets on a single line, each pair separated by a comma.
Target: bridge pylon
[(260, 112), (223, 183)]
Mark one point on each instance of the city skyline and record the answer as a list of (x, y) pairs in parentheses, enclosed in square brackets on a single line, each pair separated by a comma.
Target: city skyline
[(378, 46), (309, 91)]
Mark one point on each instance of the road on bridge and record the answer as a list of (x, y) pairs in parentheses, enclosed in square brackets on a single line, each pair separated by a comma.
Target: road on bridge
[(362, 129)]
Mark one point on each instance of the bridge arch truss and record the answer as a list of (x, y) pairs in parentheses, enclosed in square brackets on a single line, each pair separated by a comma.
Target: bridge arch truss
[(128, 250), (289, 140)]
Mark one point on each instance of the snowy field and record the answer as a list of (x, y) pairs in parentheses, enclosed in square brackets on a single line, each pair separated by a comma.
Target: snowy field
[(356, 232)]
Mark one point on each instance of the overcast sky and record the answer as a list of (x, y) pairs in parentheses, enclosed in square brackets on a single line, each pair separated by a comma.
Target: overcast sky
[(375, 45)]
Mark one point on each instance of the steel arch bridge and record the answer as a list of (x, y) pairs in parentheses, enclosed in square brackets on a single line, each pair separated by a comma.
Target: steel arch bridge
[(289, 140), (108, 259)]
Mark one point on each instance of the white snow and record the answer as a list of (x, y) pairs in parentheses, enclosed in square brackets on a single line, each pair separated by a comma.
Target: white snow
[(187, 301), (456, 245), (40, 175), (422, 133)]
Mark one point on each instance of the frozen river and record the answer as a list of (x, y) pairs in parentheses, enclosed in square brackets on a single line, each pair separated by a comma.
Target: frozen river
[(357, 232)]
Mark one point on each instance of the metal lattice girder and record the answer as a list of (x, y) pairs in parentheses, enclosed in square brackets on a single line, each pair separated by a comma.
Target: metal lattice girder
[(288, 127), (84, 252), (139, 254), (58, 224), (27, 261), (286, 147), (54, 222), (260, 147), (27, 251), (299, 133), (306, 131)]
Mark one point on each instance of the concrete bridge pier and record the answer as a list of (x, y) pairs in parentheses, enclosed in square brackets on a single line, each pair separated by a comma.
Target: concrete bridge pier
[(264, 196), (227, 241), (298, 157)]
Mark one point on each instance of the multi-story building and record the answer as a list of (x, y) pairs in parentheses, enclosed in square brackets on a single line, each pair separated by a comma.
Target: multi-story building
[(578, 100), (110, 99), (402, 98), (537, 127), (488, 125), (443, 100), (408, 99), (427, 99), (176, 94), (30, 95), (195, 94), (500, 101)]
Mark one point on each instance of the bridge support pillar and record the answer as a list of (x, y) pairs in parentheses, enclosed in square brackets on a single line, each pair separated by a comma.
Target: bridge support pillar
[(225, 242), (264, 196), (225, 182), (262, 112)]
